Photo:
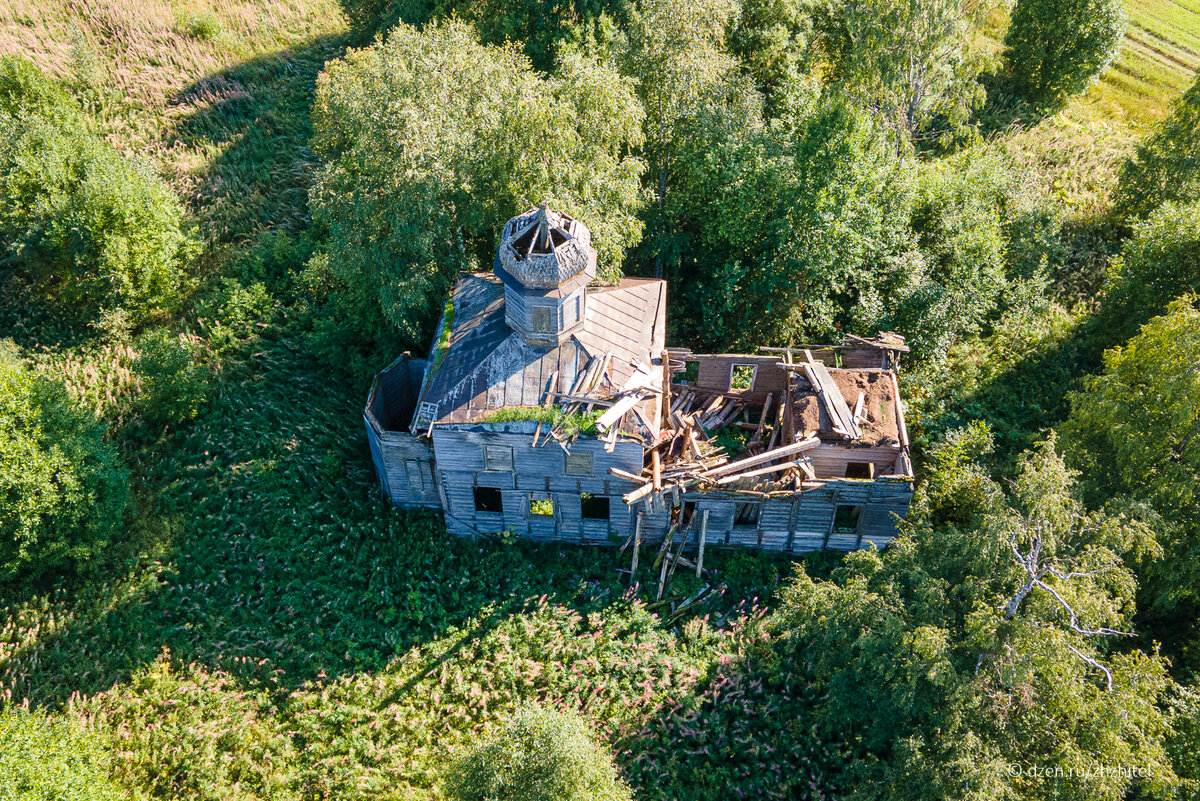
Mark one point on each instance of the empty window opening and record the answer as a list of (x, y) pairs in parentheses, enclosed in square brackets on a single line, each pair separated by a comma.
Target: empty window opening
[(594, 507), (540, 504), (746, 515), (741, 376), (489, 499), (687, 513), (579, 464), (860, 470), (543, 320), (690, 373), (497, 457), (845, 520)]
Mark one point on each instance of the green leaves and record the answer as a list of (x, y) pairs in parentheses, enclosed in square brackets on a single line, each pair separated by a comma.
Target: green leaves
[(1166, 166), (537, 755), (94, 230), (432, 141), (63, 492), (1058, 48)]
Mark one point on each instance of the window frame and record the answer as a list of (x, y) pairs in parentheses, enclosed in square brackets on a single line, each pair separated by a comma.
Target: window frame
[(479, 505)]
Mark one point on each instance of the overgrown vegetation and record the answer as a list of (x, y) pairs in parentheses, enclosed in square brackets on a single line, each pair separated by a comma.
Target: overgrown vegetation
[(204, 595)]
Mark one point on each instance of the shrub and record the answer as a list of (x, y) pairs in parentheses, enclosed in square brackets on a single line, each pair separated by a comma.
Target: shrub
[(47, 759), (1160, 262), (538, 755), (171, 384), (1166, 165), (1057, 48), (63, 492), (24, 89), (202, 25), (92, 229)]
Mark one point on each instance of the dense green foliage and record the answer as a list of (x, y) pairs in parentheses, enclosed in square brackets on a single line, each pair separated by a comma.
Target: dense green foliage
[(1159, 262), (1058, 48), (468, 136), (92, 229), (63, 491), (1166, 165), (1133, 433), (259, 624), (544, 30), (44, 759), (911, 62), (939, 666), (537, 755)]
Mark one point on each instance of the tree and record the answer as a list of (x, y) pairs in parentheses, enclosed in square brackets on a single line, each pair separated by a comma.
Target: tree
[(773, 40), (1058, 48), (954, 278), (937, 669), (1135, 432), (63, 492), (677, 53), (1158, 263), (544, 30), (538, 755), (51, 759), (431, 141), (1166, 166), (911, 62), (92, 229)]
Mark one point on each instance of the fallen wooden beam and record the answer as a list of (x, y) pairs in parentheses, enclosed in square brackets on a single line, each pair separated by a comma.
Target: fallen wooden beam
[(767, 456), (614, 414), (762, 471)]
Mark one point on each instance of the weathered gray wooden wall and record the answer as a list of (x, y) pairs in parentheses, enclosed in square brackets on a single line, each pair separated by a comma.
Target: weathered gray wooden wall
[(805, 522), (403, 461), (501, 456)]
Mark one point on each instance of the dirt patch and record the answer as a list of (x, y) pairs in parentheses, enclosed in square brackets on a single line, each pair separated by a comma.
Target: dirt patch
[(879, 404)]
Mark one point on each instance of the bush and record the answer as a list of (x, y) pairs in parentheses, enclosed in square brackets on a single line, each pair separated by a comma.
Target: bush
[(63, 492), (172, 385), (1166, 165), (1160, 262), (538, 755), (46, 759), (1057, 48), (92, 229)]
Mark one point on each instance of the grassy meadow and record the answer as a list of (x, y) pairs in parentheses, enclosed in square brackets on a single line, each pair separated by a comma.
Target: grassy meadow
[(267, 626)]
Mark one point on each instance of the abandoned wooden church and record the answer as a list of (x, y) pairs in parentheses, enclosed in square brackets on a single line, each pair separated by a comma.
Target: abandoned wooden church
[(552, 408)]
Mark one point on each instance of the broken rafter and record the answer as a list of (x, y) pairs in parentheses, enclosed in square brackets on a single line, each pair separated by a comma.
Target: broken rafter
[(767, 456)]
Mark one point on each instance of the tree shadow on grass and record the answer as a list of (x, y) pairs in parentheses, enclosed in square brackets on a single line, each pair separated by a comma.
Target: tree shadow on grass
[(254, 122), (281, 554)]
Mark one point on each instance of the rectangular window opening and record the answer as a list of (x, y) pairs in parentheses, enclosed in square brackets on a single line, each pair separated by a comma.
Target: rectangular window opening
[(860, 470), (594, 507), (489, 499), (541, 505), (543, 320), (689, 375), (845, 520), (741, 376), (746, 515)]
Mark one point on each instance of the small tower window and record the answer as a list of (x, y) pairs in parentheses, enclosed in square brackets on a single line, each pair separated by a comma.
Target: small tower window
[(543, 319)]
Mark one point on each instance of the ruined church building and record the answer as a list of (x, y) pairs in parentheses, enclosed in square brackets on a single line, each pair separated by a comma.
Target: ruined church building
[(553, 409)]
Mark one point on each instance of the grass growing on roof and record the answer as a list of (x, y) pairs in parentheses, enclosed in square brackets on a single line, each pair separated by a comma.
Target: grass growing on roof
[(570, 424), (443, 340)]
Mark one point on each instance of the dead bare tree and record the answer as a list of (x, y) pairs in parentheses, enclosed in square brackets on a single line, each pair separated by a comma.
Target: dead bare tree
[(1038, 568)]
